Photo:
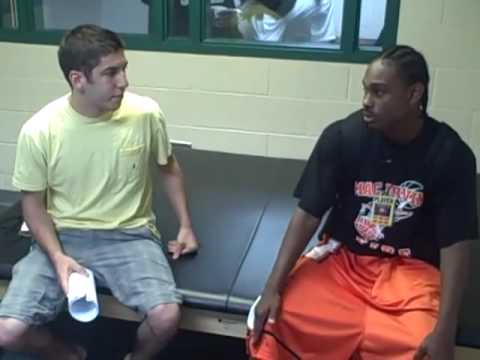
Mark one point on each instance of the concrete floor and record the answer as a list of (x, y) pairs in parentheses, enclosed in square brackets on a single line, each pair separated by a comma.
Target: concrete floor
[(108, 339), (467, 354)]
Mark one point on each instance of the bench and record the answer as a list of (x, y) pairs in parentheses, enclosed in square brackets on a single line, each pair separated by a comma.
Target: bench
[(240, 207)]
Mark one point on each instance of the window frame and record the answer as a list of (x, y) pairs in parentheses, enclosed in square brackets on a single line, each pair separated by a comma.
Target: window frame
[(158, 40), (1, 15)]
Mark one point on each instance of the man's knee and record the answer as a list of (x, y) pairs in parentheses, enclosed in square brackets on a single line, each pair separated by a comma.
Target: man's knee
[(11, 331), (163, 316)]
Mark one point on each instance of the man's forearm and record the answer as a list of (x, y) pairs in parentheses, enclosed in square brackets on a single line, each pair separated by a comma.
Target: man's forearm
[(175, 188), (40, 223), (300, 230), (454, 268)]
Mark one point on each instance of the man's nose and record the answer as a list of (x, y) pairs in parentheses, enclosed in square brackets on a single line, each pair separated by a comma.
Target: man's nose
[(122, 81), (367, 100)]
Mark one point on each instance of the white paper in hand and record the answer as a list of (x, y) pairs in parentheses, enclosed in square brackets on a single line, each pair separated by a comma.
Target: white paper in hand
[(24, 230), (320, 252), (251, 315), (82, 296)]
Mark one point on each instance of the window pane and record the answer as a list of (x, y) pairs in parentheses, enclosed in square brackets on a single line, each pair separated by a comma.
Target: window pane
[(8, 18), (311, 23), (178, 18), (372, 22), (124, 16)]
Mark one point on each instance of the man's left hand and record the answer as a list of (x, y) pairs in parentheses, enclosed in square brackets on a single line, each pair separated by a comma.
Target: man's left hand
[(436, 346), (186, 243)]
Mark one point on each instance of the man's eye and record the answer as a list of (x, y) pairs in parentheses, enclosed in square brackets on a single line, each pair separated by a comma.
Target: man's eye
[(110, 73), (379, 93)]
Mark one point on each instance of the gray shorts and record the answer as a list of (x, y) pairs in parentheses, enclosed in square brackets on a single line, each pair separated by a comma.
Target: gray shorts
[(131, 263)]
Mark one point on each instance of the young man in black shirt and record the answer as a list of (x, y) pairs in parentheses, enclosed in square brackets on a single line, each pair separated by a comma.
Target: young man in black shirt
[(387, 278)]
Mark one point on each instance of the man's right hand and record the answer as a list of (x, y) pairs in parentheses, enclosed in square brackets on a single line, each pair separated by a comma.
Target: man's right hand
[(64, 266), (300, 230), (266, 310)]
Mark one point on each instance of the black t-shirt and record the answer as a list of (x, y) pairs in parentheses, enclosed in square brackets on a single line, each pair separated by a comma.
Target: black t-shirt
[(389, 199)]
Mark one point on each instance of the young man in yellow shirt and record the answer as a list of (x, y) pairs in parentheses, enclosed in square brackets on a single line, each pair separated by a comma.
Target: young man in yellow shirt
[(84, 168)]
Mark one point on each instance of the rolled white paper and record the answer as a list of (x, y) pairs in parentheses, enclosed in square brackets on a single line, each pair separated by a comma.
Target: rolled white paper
[(251, 315), (24, 230), (82, 296)]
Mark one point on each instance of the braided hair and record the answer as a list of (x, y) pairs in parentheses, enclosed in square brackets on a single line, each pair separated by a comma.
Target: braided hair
[(411, 66)]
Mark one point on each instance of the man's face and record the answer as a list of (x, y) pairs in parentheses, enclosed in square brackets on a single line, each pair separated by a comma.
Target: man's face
[(104, 89), (387, 98)]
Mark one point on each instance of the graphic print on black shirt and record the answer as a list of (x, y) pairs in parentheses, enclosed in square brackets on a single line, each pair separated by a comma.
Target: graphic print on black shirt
[(390, 199), (387, 204)]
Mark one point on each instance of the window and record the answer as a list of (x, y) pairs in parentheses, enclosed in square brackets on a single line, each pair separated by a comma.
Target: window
[(331, 30), (372, 24), (8, 19), (301, 23), (112, 14), (178, 18)]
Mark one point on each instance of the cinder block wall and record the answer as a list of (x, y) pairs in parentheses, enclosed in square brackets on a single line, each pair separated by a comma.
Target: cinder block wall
[(262, 106)]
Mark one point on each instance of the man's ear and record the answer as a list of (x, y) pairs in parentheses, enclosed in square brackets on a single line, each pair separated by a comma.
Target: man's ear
[(78, 80), (416, 93)]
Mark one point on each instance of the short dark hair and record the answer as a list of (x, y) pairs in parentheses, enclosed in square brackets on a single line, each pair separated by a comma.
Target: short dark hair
[(83, 47), (411, 66)]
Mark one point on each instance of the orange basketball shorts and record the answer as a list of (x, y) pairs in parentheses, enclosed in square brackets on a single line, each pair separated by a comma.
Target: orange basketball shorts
[(348, 306)]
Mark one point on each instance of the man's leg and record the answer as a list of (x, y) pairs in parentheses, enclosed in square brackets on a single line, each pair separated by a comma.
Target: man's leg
[(405, 311), (16, 335), (145, 284), (320, 317), (395, 336), (33, 297), (155, 331)]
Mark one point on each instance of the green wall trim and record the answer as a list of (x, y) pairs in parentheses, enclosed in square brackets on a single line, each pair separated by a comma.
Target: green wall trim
[(158, 40)]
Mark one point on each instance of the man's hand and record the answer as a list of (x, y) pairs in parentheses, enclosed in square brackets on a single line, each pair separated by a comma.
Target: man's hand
[(186, 243), (64, 266), (267, 308), (436, 346)]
